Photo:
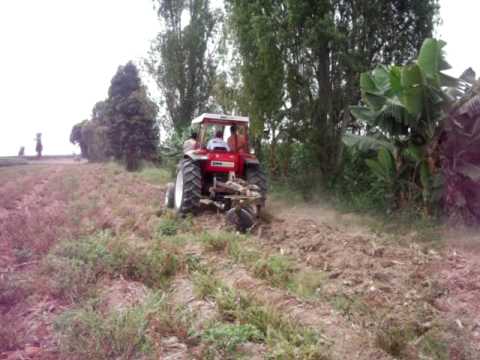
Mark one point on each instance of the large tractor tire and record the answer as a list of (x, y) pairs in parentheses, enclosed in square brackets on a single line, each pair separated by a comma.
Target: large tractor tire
[(188, 187), (256, 176)]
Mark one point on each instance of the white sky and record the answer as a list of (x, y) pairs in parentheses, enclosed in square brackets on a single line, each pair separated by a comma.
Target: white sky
[(57, 58)]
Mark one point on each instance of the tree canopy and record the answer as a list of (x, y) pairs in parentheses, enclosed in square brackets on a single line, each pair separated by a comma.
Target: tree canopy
[(301, 61), (182, 58), (124, 125)]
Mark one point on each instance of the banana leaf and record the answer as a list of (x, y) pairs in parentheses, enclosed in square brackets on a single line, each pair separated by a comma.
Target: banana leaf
[(367, 143)]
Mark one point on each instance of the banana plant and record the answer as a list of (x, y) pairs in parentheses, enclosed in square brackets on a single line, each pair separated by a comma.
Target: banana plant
[(383, 167), (407, 104), (407, 100)]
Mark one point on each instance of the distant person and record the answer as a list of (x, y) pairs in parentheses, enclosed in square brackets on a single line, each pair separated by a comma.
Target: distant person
[(236, 141), (217, 142), (39, 146), (190, 143), (21, 152)]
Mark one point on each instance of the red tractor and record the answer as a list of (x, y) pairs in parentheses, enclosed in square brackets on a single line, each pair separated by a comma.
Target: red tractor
[(220, 170)]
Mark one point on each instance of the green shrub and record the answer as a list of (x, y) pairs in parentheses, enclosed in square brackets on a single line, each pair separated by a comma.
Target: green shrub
[(276, 269), (74, 266), (226, 337), (285, 338), (168, 227), (215, 241), (85, 333), (206, 285), (153, 266)]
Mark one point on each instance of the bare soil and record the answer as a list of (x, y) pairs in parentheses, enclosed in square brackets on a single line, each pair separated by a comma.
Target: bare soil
[(372, 283)]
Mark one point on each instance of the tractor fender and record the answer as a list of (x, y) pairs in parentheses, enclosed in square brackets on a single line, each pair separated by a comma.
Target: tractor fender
[(195, 157)]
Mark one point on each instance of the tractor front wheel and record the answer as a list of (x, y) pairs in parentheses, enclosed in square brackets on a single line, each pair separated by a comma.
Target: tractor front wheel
[(188, 187)]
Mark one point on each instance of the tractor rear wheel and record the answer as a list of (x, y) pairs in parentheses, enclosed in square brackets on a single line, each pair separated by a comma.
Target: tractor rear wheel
[(188, 187), (256, 176)]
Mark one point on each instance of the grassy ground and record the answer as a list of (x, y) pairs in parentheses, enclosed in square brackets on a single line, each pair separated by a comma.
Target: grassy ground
[(94, 267)]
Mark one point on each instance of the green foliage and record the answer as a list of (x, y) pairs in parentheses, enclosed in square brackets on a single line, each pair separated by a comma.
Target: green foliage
[(226, 337), (86, 333), (168, 227), (297, 78), (76, 137), (276, 269), (123, 126), (394, 337), (206, 285), (154, 266), (404, 107), (132, 128), (215, 241), (91, 135), (406, 100), (285, 338), (74, 266), (434, 345), (180, 61)]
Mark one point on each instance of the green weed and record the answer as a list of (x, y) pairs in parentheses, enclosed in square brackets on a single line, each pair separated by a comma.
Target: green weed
[(434, 345), (168, 227), (347, 305), (171, 224), (286, 339), (226, 337), (276, 269), (393, 337), (205, 284), (154, 265), (85, 333), (73, 266), (215, 241)]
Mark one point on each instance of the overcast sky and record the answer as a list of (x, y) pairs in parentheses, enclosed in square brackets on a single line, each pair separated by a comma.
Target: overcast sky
[(57, 58)]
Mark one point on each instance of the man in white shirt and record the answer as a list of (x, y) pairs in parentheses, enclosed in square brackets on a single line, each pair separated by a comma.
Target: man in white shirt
[(218, 142)]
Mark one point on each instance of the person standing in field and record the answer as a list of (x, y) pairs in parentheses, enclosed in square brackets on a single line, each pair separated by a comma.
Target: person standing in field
[(39, 147)]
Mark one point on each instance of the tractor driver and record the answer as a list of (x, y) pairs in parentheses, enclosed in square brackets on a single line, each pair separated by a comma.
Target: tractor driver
[(236, 141), (217, 142)]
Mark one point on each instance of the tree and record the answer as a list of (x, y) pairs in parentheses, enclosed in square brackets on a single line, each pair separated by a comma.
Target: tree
[(130, 118), (301, 59), (181, 61), (76, 137)]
